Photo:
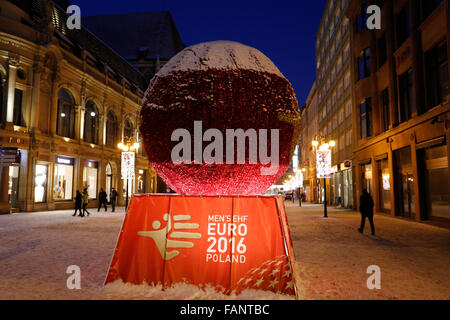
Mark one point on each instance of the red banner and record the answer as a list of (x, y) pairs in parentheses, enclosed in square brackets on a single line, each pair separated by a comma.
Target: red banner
[(231, 242)]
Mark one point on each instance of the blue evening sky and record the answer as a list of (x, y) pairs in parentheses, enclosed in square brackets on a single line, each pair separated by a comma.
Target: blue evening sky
[(284, 30)]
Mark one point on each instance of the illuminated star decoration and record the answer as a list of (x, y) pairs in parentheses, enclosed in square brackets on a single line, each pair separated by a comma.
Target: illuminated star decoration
[(272, 275)]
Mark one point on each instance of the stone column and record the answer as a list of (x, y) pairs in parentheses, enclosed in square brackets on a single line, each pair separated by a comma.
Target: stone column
[(35, 105), (54, 104), (101, 131), (82, 111), (105, 120), (4, 185), (77, 122), (376, 184), (12, 72), (417, 190)]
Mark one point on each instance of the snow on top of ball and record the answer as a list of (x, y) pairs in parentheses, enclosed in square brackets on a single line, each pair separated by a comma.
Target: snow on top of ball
[(219, 55)]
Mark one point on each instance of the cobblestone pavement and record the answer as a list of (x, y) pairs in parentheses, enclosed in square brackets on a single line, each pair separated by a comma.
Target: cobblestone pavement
[(332, 256)]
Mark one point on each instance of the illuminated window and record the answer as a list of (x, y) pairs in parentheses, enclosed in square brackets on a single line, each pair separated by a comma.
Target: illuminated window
[(40, 183), (63, 178), (90, 174)]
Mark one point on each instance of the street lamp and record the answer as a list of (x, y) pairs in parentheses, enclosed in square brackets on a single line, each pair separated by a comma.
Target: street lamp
[(128, 158), (323, 158)]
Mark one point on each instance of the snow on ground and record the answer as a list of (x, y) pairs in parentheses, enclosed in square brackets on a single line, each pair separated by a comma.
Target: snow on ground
[(332, 257)]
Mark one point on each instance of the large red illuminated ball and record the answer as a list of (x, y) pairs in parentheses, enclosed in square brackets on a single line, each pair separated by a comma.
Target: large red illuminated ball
[(226, 85)]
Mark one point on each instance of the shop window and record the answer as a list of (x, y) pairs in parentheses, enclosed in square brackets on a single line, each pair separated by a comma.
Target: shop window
[(63, 179), (384, 185), (364, 64), (436, 66), (406, 94), (366, 177), (90, 175), (40, 183), (13, 186), (402, 26), (404, 182), (436, 182), (91, 123), (142, 179), (385, 108), (366, 118), (18, 116), (111, 130), (65, 125)]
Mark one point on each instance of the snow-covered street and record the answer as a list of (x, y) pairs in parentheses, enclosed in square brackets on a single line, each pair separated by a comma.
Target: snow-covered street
[(332, 257)]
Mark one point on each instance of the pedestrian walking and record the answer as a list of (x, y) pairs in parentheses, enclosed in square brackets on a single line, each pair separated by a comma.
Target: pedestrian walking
[(102, 199), (113, 198), (78, 200), (366, 209), (85, 201)]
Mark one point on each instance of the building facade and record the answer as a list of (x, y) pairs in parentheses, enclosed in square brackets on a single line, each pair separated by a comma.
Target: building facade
[(401, 116), (309, 131), (333, 85), (66, 101)]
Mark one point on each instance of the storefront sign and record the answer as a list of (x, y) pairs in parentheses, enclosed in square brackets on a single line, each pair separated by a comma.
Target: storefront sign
[(323, 163), (64, 160), (128, 165), (221, 241), (9, 156), (347, 163)]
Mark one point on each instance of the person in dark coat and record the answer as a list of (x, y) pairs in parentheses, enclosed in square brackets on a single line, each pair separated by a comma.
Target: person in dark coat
[(113, 198), (366, 209), (102, 199), (77, 203)]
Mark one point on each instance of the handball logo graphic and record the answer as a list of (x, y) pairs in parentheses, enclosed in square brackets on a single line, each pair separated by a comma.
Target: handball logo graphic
[(161, 235)]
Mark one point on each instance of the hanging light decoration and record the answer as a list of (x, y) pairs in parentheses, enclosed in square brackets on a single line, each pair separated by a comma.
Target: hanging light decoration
[(225, 85)]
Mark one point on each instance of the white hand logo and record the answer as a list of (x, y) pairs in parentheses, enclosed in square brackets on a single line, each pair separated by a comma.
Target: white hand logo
[(161, 236)]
